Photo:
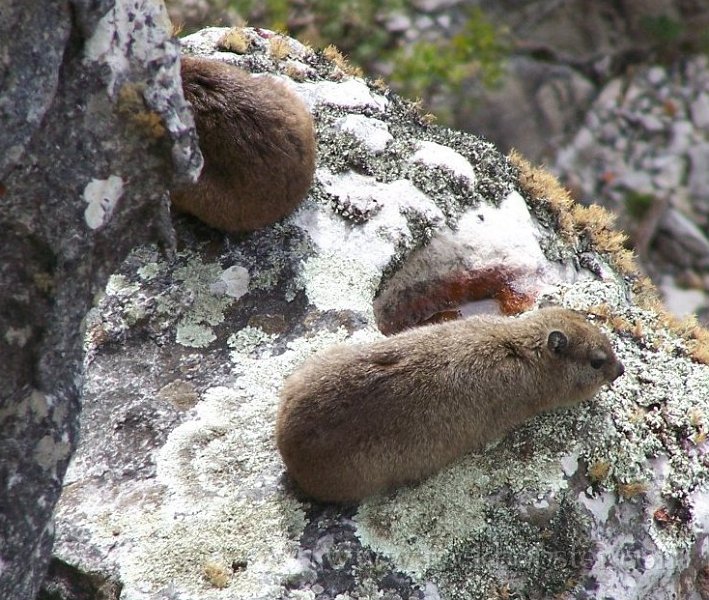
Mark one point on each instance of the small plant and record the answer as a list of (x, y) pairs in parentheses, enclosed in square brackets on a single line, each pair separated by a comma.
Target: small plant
[(420, 70), (664, 30), (479, 51), (637, 204)]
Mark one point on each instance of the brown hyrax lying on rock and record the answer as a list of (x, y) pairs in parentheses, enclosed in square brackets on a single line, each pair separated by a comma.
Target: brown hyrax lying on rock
[(258, 143), (359, 419)]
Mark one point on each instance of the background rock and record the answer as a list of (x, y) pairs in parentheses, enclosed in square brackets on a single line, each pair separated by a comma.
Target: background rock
[(177, 490), (641, 152), (527, 75), (91, 136)]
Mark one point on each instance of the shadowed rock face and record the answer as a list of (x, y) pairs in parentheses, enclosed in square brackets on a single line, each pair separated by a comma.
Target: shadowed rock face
[(81, 182), (177, 489)]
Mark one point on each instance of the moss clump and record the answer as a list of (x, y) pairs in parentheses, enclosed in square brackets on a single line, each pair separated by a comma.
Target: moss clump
[(637, 204)]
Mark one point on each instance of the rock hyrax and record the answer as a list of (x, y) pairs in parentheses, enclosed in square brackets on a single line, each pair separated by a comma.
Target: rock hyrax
[(355, 420), (258, 143)]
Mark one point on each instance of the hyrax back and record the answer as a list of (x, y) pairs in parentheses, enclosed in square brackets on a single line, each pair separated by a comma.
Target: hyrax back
[(355, 420), (258, 143)]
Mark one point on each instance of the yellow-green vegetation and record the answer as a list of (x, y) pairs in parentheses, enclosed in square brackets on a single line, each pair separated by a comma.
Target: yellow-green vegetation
[(638, 204), (478, 51), (356, 27)]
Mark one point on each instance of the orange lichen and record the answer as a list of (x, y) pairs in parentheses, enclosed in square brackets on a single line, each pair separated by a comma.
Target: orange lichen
[(449, 293), (131, 104)]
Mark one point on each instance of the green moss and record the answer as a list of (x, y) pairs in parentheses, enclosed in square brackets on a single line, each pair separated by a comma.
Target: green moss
[(477, 52), (637, 204), (662, 29)]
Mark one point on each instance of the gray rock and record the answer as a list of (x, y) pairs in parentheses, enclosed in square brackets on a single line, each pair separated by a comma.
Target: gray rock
[(531, 109), (699, 173), (687, 234), (699, 110), (85, 161), (169, 498)]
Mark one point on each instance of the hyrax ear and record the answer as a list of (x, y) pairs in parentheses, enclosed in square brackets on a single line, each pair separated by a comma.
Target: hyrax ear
[(557, 342)]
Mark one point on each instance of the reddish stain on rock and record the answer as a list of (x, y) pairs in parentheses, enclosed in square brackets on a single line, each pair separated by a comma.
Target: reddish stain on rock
[(441, 299)]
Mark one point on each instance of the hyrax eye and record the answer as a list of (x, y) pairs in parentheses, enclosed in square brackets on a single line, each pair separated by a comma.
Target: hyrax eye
[(598, 359)]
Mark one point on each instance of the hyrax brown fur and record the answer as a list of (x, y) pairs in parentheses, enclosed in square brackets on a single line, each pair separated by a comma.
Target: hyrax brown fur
[(359, 419), (258, 143)]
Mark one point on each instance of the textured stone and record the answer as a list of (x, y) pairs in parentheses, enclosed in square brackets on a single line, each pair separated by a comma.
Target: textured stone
[(85, 160), (173, 501)]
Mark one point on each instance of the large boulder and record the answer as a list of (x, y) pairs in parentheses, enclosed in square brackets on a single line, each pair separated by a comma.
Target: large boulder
[(177, 490), (93, 127)]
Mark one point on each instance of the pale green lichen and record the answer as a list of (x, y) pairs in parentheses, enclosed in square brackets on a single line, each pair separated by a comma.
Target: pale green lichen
[(429, 530), (226, 455), (207, 309), (50, 452), (118, 285), (149, 271), (38, 405), (336, 282), (415, 527), (248, 341), (194, 335)]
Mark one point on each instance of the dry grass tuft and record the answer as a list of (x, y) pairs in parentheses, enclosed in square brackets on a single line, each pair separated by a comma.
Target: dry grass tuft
[(235, 40), (338, 59)]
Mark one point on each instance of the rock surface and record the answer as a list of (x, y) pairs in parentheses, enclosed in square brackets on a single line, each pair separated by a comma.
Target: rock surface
[(177, 490), (93, 128), (643, 152)]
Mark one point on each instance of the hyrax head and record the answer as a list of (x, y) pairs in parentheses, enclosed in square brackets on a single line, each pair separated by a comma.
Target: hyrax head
[(581, 357)]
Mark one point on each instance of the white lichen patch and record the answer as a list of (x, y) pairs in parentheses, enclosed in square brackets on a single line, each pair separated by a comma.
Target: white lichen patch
[(194, 335), (416, 526), (208, 301), (249, 341), (149, 271), (437, 155), (479, 231), (128, 29), (349, 94), (235, 281), (223, 501), (336, 282), (18, 336), (373, 133), (50, 452), (119, 286), (385, 207), (101, 196)]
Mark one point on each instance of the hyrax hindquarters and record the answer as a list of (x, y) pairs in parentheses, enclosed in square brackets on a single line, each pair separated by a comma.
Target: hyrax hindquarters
[(355, 420), (258, 143)]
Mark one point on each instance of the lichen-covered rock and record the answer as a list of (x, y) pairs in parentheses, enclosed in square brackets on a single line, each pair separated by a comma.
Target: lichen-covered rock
[(93, 127), (177, 490)]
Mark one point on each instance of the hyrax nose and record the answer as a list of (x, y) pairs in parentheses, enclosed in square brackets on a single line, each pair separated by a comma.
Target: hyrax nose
[(619, 370)]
